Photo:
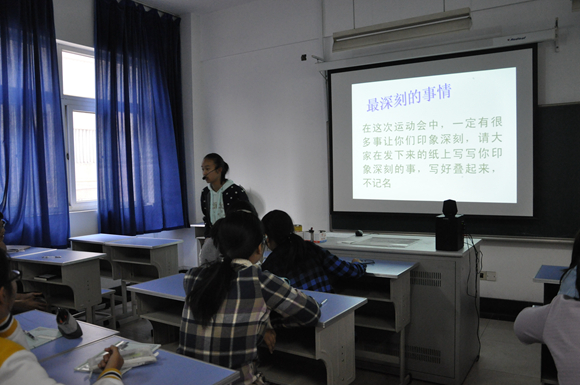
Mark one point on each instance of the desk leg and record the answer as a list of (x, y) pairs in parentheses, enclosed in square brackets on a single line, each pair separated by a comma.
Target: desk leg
[(335, 347), (404, 377), (124, 296)]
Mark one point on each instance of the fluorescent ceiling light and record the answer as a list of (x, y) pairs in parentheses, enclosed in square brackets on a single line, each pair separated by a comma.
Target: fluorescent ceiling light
[(415, 27)]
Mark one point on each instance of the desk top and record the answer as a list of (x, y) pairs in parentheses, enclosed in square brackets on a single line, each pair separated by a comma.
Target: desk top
[(100, 238), (550, 274), (171, 287), (396, 244), (59, 257), (144, 242), (32, 319), (29, 251), (336, 306), (170, 368), (388, 269)]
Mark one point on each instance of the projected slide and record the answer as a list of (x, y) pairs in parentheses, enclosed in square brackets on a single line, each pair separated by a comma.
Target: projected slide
[(408, 135), (421, 138)]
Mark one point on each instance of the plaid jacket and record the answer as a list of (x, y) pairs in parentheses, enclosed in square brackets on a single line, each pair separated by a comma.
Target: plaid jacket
[(232, 337), (314, 274)]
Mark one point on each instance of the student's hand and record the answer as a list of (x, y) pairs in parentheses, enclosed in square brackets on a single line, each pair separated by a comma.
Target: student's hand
[(113, 360), (270, 339), (29, 301), (354, 260)]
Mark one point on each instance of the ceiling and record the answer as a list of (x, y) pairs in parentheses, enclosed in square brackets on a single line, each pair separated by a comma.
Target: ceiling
[(182, 7)]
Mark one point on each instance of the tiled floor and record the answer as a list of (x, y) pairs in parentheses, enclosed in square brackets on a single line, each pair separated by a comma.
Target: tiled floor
[(503, 359)]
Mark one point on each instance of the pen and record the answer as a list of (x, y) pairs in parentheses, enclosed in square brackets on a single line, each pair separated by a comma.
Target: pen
[(120, 345), (323, 302), (29, 334)]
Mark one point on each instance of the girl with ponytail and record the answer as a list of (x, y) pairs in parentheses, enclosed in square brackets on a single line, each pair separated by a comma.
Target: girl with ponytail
[(229, 301)]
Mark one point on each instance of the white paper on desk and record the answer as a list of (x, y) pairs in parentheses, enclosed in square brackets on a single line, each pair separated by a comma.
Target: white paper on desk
[(135, 354), (42, 335)]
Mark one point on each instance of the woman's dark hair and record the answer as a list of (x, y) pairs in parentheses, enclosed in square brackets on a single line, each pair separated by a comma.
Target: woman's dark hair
[(574, 260), (219, 162), (291, 249), (238, 235), (5, 271)]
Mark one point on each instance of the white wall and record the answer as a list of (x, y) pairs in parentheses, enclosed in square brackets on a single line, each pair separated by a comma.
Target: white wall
[(249, 97), (265, 110)]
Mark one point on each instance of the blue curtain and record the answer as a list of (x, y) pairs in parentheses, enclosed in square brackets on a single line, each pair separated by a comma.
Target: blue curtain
[(33, 180), (141, 167)]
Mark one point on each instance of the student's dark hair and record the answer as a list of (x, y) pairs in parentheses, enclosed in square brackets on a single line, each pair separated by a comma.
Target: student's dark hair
[(291, 249), (238, 236), (237, 206), (219, 163), (574, 260), (5, 271)]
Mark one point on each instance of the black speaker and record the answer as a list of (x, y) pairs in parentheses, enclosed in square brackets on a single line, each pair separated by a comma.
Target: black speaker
[(449, 228)]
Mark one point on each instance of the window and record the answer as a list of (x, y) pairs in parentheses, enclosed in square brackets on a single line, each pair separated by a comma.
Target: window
[(77, 66)]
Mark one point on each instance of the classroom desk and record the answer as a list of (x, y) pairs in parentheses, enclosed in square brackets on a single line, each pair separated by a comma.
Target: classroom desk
[(35, 318), (387, 285), (97, 243), (550, 276), (170, 368), (141, 259), (199, 229), (161, 302), (77, 284), (442, 339)]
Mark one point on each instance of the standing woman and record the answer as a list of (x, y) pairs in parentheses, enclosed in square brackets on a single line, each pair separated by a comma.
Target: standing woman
[(221, 192), (228, 303)]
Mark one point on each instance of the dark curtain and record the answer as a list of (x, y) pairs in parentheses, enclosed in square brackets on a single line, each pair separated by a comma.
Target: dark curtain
[(33, 179), (141, 162)]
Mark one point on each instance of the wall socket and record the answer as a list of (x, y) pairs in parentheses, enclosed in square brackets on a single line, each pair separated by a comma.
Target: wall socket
[(487, 276)]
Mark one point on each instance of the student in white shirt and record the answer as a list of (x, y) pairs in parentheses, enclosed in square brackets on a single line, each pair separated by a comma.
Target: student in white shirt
[(556, 325)]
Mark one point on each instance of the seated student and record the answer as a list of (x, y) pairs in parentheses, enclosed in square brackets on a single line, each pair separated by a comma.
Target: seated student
[(24, 301), (305, 264), (556, 325), (209, 251), (229, 302), (17, 364), (568, 280)]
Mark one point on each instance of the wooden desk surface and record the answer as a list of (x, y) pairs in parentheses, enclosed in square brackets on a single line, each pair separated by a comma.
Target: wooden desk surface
[(35, 318), (59, 257), (170, 368), (144, 242)]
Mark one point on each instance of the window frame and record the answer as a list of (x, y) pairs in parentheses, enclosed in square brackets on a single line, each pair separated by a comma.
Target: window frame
[(69, 104)]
